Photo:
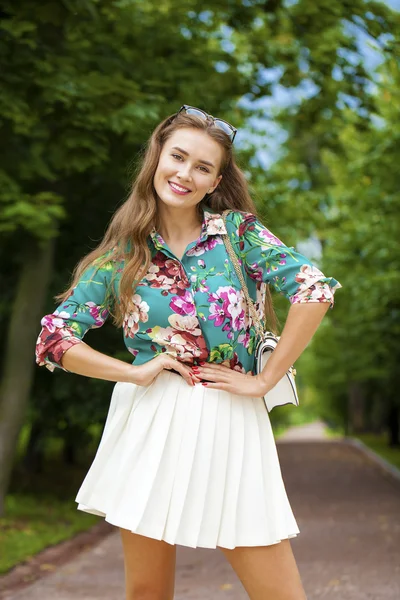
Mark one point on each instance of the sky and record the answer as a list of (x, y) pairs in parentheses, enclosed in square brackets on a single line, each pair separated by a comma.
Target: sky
[(395, 4)]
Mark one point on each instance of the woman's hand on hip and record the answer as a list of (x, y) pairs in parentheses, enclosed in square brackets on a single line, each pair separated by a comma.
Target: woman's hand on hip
[(219, 377), (146, 373)]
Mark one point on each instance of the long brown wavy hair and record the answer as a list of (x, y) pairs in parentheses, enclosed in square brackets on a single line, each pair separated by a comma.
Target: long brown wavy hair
[(134, 220)]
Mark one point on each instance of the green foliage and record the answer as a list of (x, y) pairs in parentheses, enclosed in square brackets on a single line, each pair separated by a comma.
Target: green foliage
[(221, 353), (34, 523), (343, 187), (364, 225), (83, 84)]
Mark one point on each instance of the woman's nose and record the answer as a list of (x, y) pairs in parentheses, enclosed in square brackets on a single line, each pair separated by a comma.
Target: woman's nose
[(185, 172)]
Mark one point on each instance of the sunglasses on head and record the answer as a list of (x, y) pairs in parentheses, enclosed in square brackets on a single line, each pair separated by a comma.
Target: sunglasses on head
[(197, 112)]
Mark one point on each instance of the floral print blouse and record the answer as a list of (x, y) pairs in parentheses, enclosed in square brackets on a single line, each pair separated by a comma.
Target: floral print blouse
[(192, 309)]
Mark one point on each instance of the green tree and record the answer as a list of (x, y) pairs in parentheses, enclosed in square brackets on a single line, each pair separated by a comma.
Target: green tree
[(364, 247), (335, 179)]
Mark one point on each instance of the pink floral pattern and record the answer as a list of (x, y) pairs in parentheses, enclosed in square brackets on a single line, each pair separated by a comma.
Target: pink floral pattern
[(183, 305), (138, 315), (310, 288), (215, 224), (227, 304), (98, 313), (182, 339), (167, 275), (54, 340), (202, 248)]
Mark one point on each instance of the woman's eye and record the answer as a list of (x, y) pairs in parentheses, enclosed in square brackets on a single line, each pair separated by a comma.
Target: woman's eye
[(201, 167)]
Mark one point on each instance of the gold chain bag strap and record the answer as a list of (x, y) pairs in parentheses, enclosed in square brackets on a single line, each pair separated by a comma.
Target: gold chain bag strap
[(284, 392)]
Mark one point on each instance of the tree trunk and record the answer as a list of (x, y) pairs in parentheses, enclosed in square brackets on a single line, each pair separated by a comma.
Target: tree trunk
[(18, 364), (69, 452), (356, 407), (33, 459), (394, 426), (378, 414)]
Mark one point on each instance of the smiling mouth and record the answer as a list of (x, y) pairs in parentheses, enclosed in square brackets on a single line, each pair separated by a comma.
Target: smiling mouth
[(179, 189)]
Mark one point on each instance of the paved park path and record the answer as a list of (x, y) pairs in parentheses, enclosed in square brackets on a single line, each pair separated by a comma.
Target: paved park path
[(348, 511)]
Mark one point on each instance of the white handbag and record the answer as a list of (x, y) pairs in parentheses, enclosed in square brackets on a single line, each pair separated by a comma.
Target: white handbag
[(284, 392)]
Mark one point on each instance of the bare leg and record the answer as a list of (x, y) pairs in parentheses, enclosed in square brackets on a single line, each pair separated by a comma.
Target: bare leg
[(149, 567), (267, 572)]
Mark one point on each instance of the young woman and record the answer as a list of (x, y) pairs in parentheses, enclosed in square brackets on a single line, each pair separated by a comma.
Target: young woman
[(187, 455)]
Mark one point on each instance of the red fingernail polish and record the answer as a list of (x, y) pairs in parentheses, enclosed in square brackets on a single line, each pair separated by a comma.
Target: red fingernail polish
[(204, 384)]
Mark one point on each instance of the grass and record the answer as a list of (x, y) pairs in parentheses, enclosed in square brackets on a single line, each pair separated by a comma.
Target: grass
[(378, 443), (32, 523), (334, 433), (40, 510)]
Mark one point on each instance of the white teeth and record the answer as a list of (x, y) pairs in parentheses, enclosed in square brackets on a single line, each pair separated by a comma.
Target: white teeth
[(178, 187)]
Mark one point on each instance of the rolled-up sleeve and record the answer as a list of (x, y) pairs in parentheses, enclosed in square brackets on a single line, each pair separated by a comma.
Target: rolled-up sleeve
[(266, 258), (87, 307)]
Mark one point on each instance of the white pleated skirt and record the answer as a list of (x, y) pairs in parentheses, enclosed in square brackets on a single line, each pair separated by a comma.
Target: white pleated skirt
[(188, 465)]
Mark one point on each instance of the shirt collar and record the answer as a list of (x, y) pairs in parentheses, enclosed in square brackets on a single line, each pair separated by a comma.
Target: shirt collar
[(213, 224)]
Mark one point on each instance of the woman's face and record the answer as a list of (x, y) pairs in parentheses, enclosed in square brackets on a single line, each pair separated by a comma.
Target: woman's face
[(188, 168)]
